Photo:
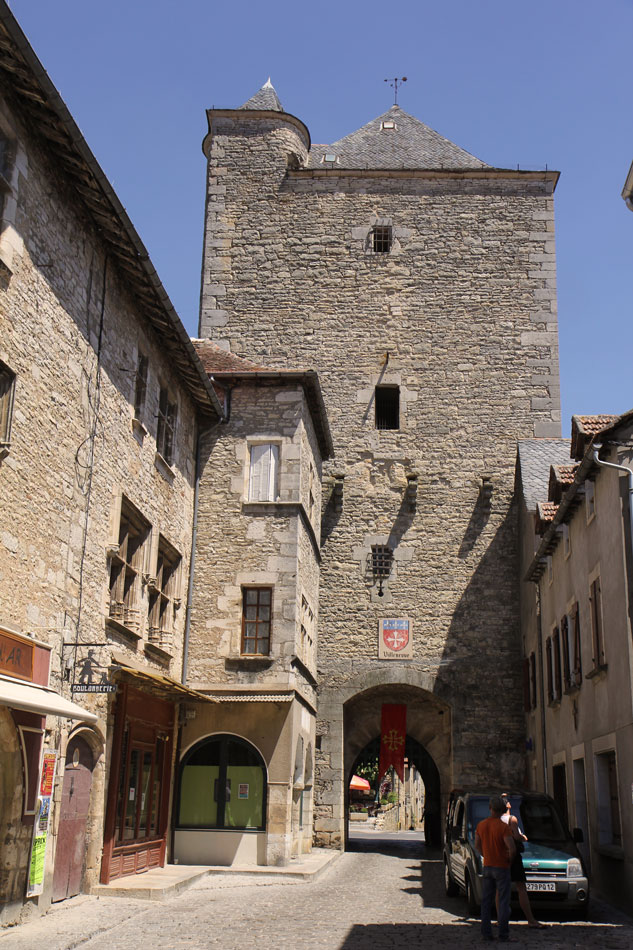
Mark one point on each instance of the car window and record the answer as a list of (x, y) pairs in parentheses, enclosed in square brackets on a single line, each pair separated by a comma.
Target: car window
[(459, 817), (477, 811), (541, 822)]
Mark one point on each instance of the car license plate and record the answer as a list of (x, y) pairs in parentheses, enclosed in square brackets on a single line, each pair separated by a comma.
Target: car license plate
[(540, 886)]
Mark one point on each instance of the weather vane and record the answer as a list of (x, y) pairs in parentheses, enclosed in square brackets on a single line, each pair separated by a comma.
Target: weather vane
[(394, 85)]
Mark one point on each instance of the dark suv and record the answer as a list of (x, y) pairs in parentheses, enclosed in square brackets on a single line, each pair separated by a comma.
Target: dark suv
[(552, 862)]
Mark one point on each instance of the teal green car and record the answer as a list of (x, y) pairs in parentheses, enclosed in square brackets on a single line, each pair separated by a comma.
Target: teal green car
[(554, 869)]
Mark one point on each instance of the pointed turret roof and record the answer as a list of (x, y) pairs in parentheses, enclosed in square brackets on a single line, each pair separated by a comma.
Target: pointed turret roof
[(265, 100), (394, 140)]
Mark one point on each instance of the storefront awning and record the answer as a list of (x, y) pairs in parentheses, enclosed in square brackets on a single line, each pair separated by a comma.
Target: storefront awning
[(41, 700), (163, 685)]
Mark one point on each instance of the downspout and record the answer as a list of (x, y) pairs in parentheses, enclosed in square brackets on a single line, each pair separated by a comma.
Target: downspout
[(539, 640), (619, 468)]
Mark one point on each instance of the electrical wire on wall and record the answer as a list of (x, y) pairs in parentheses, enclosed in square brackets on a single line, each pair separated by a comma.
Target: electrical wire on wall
[(85, 457)]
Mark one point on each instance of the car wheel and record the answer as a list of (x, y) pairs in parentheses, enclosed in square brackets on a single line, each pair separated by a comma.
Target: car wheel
[(451, 888), (473, 906)]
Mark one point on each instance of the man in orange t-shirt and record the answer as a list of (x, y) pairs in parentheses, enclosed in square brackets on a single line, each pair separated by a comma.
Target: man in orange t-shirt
[(493, 840)]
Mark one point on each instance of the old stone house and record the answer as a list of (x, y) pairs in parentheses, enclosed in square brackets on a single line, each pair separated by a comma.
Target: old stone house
[(253, 643), (419, 282), (102, 398), (577, 566)]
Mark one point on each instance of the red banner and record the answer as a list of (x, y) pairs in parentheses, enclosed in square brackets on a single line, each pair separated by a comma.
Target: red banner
[(393, 734)]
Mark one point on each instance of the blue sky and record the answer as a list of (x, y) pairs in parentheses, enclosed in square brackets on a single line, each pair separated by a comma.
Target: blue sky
[(530, 84)]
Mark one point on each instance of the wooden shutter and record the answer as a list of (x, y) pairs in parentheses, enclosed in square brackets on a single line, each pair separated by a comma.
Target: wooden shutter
[(264, 465)]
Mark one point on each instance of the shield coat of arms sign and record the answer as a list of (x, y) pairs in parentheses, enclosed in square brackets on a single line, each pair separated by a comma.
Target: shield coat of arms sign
[(395, 639)]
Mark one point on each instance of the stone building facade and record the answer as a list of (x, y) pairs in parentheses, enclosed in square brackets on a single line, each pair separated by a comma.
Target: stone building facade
[(257, 559), (577, 566), (101, 396), (420, 283)]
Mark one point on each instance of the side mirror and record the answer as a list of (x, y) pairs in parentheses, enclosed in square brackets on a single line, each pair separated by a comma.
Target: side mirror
[(578, 836)]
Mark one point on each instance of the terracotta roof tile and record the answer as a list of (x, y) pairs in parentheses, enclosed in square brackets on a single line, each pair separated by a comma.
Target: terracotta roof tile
[(560, 478), (545, 511), (584, 429), (217, 360)]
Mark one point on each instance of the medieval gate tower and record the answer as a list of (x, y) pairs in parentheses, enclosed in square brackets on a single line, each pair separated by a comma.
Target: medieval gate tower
[(420, 283)]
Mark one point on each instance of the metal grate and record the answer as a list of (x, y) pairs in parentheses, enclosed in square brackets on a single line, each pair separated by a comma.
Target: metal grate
[(381, 560), (387, 400), (381, 239)]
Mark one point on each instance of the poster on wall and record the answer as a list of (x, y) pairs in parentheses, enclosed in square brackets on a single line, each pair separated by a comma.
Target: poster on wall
[(35, 883)]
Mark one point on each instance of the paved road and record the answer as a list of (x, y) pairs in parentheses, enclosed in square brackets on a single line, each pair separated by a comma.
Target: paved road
[(386, 894)]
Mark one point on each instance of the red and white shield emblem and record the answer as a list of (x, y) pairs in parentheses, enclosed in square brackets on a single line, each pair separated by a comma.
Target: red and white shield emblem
[(395, 634)]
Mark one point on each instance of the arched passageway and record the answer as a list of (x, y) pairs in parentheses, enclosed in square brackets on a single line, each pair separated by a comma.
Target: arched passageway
[(428, 743)]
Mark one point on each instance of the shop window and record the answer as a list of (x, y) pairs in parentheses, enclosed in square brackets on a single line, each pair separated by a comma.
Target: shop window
[(140, 789), (126, 568), (387, 401), (164, 595), (256, 620), (263, 473), (166, 429), (7, 390), (222, 784), (609, 824)]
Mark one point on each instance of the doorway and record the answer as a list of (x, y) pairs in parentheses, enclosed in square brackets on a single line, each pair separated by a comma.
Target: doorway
[(75, 806)]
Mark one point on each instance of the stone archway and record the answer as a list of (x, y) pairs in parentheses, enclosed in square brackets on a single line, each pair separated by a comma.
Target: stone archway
[(349, 719)]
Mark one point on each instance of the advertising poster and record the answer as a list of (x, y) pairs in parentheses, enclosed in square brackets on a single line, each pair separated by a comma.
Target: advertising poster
[(35, 882)]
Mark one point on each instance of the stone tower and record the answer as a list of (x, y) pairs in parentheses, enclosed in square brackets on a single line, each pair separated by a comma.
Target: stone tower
[(420, 283)]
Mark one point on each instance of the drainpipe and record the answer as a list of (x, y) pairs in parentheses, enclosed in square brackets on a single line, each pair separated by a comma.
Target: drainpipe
[(620, 468), (628, 561)]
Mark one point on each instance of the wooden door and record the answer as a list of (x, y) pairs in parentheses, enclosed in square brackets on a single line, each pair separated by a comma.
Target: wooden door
[(71, 835)]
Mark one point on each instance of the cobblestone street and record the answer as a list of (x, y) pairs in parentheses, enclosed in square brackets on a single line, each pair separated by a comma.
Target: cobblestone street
[(386, 895)]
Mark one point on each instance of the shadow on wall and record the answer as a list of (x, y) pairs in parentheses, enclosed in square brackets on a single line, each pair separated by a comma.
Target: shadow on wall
[(481, 665)]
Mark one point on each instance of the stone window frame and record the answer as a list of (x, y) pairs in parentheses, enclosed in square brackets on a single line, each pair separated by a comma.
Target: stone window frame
[(362, 555), (166, 425), (7, 402), (307, 632), (15, 168), (388, 410), (127, 569), (362, 237), (164, 587), (245, 590), (252, 442)]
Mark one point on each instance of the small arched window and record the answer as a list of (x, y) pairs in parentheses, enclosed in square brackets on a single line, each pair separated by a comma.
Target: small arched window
[(222, 784)]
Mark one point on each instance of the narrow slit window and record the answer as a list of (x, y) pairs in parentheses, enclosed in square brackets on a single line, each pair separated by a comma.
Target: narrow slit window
[(381, 237), (7, 389), (387, 400)]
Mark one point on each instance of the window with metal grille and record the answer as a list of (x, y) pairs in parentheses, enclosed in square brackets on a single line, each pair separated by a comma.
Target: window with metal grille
[(381, 560), (381, 237), (256, 620), (387, 401)]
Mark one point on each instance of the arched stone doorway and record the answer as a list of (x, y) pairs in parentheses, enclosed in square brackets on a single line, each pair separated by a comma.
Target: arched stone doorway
[(350, 719)]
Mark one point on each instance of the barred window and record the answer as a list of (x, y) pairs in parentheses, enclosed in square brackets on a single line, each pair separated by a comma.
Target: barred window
[(7, 389), (381, 238), (387, 402)]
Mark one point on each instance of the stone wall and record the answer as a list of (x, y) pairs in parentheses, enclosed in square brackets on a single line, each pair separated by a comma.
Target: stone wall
[(461, 315), (70, 332)]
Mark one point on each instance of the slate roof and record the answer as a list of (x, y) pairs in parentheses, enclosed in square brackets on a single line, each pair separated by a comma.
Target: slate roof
[(536, 456), (412, 144), (266, 99)]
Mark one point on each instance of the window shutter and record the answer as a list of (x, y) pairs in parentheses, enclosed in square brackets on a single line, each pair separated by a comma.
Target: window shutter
[(263, 472)]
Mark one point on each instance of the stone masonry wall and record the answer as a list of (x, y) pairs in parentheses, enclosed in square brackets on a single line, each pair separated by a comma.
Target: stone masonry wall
[(253, 543), (73, 450), (461, 316)]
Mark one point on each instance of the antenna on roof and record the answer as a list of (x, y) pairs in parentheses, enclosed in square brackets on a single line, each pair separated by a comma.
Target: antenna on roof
[(394, 85)]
